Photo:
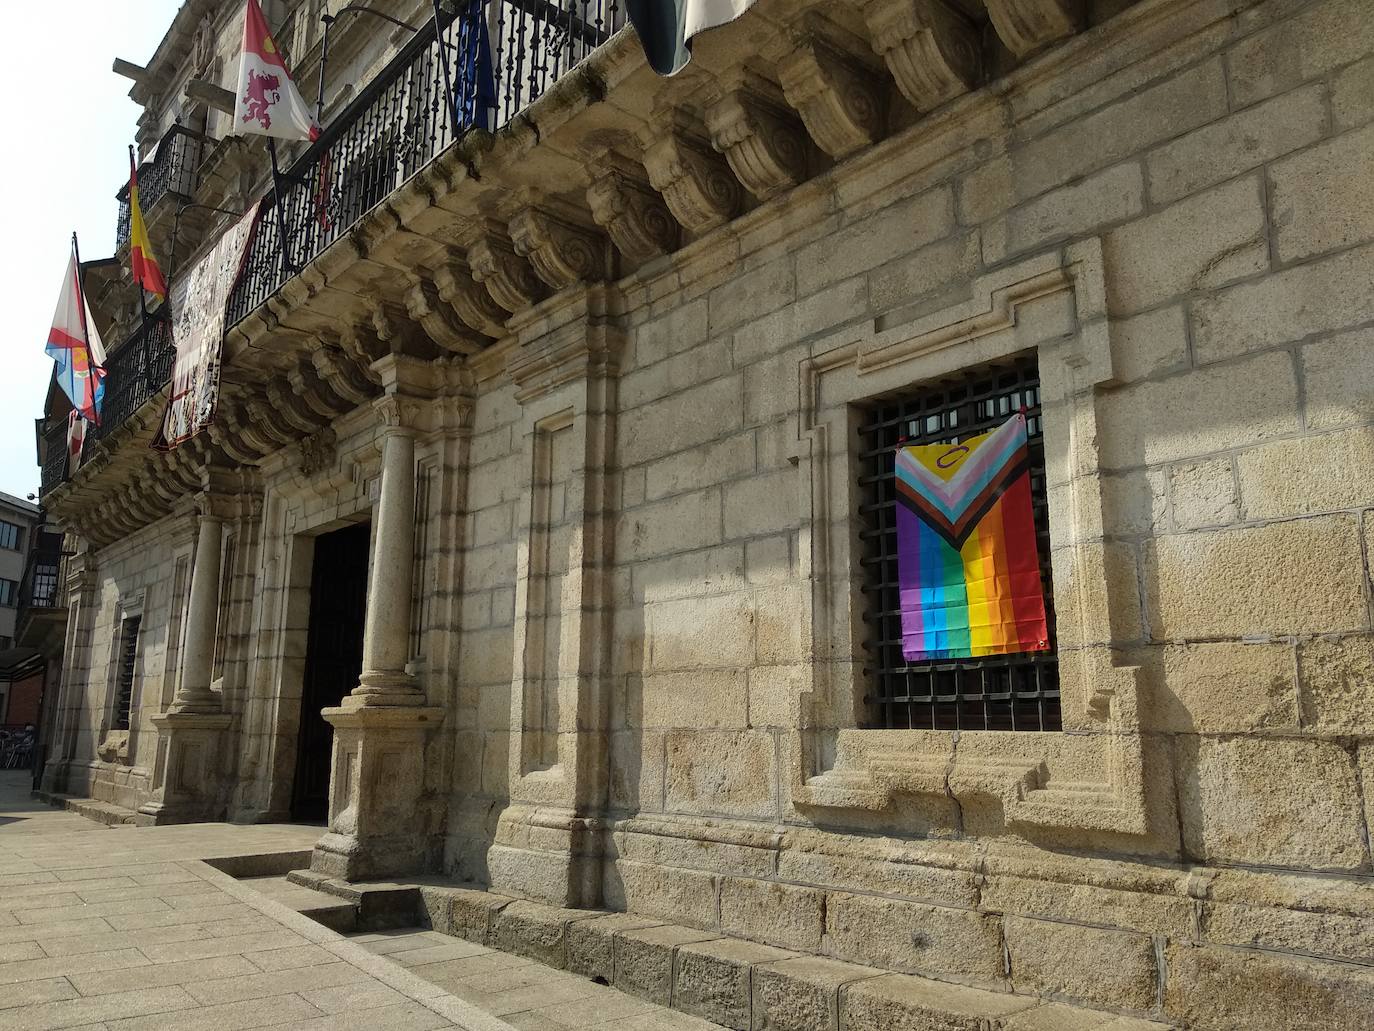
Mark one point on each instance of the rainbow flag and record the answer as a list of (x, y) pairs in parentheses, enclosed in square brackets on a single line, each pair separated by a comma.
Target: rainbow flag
[(967, 561)]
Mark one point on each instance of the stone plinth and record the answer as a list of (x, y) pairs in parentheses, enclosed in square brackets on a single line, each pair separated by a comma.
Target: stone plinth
[(375, 785), (187, 775)]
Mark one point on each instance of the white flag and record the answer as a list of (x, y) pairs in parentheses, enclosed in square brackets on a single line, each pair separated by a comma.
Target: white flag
[(268, 103)]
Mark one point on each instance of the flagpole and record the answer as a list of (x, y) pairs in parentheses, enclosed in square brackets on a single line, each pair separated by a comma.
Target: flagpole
[(142, 299), (448, 76), (81, 307), (281, 209)]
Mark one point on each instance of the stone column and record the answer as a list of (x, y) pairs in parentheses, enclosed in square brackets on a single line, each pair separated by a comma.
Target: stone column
[(386, 636), (81, 603), (378, 771), (187, 775), (193, 693)]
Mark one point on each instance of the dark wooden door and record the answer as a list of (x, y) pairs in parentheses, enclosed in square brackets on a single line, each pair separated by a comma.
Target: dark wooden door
[(333, 659)]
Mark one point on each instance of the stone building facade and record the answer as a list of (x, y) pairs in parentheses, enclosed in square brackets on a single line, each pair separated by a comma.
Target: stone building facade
[(554, 481)]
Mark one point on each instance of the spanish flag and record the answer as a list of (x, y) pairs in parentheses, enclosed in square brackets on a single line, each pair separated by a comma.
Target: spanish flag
[(141, 261)]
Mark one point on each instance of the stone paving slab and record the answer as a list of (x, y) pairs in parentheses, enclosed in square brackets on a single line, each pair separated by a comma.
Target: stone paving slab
[(526, 994), (118, 928)]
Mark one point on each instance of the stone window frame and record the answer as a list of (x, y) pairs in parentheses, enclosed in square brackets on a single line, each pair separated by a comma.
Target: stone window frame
[(118, 743), (1088, 776)]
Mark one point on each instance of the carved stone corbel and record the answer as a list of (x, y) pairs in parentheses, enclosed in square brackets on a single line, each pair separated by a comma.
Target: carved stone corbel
[(343, 376), (696, 184), (438, 320), (361, 344), (627, 207), (495, 264), (229, 442), (843, 103), (931, 49), (316, 394), (246, 436), (461, 291), (562, 251), (1029, 25), (270, 422), (289, 406), (764, 143)]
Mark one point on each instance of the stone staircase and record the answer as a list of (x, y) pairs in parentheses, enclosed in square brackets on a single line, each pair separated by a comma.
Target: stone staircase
[(728, 981)]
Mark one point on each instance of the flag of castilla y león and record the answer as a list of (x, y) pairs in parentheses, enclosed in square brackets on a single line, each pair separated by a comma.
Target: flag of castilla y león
[(268, 103)]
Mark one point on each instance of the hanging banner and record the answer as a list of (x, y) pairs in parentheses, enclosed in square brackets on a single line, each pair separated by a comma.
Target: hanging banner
[(967, 560), (198, 330)]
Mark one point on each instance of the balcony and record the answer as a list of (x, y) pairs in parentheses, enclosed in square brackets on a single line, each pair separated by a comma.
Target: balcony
[(173, 170), (136, 371), (396, 125)]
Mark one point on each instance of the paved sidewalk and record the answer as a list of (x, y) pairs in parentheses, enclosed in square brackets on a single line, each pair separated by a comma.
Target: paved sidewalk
[(124, 929)]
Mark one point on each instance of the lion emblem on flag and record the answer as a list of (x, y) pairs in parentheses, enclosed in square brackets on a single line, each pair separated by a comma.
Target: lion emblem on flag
[(263, 92)]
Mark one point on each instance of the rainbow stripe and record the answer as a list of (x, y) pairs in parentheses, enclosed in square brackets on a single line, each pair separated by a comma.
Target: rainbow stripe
[(967, 560)]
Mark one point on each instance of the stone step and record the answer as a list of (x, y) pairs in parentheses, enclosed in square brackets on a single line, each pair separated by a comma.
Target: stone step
[(381, 905), (92, 809), (335, 913), (737, 983)]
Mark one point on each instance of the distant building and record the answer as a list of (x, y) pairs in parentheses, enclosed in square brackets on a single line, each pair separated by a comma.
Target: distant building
[(17, 521), (545, 533)]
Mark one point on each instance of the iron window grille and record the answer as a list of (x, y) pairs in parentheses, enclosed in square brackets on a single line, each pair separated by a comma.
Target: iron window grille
[(1002, 692), (128, 658)]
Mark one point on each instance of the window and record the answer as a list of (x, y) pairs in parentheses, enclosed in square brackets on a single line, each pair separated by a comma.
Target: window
[(9, 536), (1003, 692), (9, 592), (124, 685), (44, 588)]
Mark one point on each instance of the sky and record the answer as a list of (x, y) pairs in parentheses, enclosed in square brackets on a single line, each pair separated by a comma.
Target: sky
[(68, 128)]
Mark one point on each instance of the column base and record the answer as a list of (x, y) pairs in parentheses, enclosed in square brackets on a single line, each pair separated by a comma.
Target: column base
[(547, 855), (376, 828), (187, 779)]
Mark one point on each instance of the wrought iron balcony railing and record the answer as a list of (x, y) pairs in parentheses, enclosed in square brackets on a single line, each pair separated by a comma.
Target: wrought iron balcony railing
[(502, 55), (135, 372), (173, 169), (54, 469)]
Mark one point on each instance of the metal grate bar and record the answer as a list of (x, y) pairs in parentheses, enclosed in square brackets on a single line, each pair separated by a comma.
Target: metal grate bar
[(124, 687), (1003, 692)]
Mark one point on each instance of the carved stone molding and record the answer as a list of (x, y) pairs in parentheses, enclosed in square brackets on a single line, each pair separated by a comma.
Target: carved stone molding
[(397, 412), (317, 452), (230, 442), (843, 104), (931, 49), (561, 251), (626, 206), (440, 323), (495, 264), (1028, 25), (460, 290), (696, 184), (764, 143)]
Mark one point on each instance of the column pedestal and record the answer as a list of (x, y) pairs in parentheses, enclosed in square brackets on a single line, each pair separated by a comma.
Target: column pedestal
[(188, 773), (378, 775)]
